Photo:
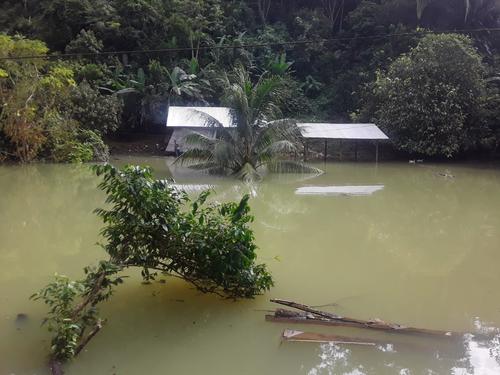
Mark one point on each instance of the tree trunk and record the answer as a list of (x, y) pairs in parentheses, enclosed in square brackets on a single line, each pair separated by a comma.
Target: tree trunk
[(263, 6)]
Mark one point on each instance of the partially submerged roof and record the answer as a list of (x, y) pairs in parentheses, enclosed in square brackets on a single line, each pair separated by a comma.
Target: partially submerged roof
[(197, 117), (342, 131), (339, 190)]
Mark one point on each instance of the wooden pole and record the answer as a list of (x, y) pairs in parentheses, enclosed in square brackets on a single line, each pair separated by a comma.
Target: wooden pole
[(356, 150), (376, 152), (305, 150), (326, 149)]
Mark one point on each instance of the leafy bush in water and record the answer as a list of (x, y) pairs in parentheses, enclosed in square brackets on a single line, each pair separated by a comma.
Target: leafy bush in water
[(152, 225), (73, 317)]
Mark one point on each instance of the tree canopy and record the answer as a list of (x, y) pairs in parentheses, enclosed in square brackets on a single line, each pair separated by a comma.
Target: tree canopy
[(430, 97)]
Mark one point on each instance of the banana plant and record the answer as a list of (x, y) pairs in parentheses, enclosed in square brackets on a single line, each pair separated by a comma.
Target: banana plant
[(160, 85), (279, 66)]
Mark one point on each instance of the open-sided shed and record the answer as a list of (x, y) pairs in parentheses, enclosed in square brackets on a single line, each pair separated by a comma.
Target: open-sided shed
[(352, 132)]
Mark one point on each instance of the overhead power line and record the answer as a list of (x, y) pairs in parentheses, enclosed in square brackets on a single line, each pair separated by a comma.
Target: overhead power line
[(247, 46)]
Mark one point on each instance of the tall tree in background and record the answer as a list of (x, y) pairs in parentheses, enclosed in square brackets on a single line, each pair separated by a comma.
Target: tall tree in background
[(264, 6), (429, 97), (334, 10)]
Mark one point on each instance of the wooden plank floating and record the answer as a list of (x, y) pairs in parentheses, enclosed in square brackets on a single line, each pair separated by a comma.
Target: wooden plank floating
[(310, 315), (299, 336), (290, 335)]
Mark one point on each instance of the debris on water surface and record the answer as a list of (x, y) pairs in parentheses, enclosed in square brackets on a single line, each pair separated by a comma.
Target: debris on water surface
[(21, 319), (313, 316), (445, 174), (299, 336)]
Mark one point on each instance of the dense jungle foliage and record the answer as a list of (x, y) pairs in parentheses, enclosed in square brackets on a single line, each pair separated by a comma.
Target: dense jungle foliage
[(410, 83)]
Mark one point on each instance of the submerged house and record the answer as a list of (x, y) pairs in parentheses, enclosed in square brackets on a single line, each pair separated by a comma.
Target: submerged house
[(184, 120)]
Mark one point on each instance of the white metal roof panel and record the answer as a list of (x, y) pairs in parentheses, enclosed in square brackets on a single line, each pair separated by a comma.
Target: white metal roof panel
[(339, 190), (342, 131), (197, 117)]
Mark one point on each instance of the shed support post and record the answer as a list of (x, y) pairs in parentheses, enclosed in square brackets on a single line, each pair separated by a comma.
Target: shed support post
[(356, 150), (376, 152), (326, 149), (305, 150)]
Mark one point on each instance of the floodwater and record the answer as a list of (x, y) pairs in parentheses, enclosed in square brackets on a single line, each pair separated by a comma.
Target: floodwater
[(414, 244)]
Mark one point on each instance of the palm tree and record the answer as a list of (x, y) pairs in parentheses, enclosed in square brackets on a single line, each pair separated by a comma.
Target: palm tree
[(259, 139)]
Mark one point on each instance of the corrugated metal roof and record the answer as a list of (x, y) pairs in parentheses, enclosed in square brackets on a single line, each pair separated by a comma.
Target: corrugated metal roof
[(196, 117), (341, 131)]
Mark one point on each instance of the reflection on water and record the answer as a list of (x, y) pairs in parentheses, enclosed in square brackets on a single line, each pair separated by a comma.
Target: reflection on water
[(478, 358), (421, 251), (333, 359)]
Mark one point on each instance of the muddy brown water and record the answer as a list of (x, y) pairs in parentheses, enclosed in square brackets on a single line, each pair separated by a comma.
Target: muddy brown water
[(398, 242)]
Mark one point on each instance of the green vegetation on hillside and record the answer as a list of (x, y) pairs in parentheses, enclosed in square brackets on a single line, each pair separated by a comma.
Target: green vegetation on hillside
[(342, 76)]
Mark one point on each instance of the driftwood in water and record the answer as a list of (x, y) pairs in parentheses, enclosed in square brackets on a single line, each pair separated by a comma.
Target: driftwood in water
[(306, 308), (314, 316), (299, 336)]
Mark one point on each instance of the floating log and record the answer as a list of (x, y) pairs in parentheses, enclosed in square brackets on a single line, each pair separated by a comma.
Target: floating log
[(306, 308), (299, 336), (314, 316)]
